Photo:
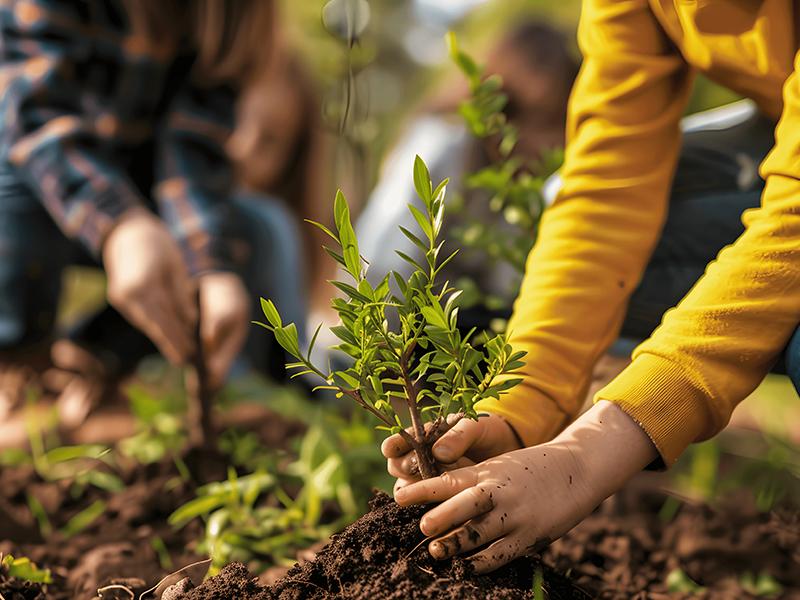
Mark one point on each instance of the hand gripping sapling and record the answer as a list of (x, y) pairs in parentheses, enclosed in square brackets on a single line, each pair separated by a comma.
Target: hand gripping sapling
[(426, 362)]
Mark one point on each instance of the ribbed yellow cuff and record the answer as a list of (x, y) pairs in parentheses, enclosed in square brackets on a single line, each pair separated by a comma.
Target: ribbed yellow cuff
[(660, 396), (535, 417)]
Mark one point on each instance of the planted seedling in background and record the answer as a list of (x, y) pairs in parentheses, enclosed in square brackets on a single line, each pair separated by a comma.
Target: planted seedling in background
[(425, 362), (513, 185)]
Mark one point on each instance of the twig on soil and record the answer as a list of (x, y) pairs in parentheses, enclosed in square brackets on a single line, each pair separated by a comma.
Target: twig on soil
[(2, 597), (178, 572), (418, 546), (115, 586), (424, 570)]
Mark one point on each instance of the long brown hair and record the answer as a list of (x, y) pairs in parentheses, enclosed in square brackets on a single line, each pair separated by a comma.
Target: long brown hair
[(232, 37)]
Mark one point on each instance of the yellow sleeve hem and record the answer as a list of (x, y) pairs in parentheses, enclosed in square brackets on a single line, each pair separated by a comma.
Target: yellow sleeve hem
[(535, 417), (660, 396)]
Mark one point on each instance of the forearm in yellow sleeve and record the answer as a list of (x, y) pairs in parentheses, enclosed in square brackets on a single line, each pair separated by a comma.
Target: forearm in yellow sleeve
[(594, 242)]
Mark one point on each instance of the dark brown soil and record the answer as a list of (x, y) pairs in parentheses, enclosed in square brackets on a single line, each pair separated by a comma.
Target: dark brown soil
[(379, 557), (120, 544), (625, 551), (13, 589)]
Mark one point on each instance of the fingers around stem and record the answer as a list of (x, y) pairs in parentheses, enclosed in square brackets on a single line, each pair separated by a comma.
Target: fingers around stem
[(395, 446), (437, 489), (404, 467), (455, 442), (470, 503)]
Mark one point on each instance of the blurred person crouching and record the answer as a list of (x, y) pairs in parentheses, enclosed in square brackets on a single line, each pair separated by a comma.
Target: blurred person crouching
[(115, 118), (537, 68), (282, 153)]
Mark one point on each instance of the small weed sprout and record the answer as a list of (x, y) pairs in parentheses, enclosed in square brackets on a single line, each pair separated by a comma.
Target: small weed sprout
[(426, 362), (22, 568)]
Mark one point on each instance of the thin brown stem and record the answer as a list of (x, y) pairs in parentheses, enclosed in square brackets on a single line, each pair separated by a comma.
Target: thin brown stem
[(355, 395), (425, 461)]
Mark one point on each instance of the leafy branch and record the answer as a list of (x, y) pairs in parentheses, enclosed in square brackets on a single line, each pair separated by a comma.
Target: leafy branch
[(425, 363)]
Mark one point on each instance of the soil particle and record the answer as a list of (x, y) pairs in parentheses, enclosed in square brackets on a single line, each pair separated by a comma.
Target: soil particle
[(379, 557)]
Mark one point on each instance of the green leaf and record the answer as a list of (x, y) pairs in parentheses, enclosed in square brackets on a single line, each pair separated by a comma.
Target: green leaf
[(422, 181), (288, 340), (349, 380), (22, 568), (67, 453), (335, 255), (423, 222), (414, 239), (347, 235), (197, 507), (680, 582), (351, 291), (84, 519), (271, 313), (322, 227), (434, 317), (409, 260)]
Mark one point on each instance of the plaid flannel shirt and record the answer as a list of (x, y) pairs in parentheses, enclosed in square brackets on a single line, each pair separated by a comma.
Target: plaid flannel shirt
[(81, 95)]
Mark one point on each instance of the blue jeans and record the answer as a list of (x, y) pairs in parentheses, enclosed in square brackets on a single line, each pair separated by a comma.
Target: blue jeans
[(716, 180), (34, 253)]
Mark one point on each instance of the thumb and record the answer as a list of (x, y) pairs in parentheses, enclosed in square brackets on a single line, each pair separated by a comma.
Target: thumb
[(455, 443)]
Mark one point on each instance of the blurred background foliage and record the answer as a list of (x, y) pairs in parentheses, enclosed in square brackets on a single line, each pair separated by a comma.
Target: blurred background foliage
[(400, 59), (396, 62)]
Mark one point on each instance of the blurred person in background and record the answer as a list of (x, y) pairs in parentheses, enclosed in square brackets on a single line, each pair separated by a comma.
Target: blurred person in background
[(537, 69), (113, 122), (678, 236), (281, 150)]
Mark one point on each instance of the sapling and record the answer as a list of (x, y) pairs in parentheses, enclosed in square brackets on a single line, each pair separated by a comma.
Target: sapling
[(425, 362)]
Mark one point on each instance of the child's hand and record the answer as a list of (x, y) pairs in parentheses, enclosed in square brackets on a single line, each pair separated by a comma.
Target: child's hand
[(521, 501), (465, 444)]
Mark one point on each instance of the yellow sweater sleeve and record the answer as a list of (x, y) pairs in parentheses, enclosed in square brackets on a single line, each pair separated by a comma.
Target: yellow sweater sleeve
[(715, 347), (623, 137)]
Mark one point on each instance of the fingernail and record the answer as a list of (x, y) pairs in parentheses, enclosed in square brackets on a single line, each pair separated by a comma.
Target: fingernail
[(437, 550), (423, 527)]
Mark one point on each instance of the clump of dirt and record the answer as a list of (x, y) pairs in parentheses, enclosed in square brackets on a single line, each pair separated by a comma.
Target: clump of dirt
[(379, 557), (626, 550), (14, 589)]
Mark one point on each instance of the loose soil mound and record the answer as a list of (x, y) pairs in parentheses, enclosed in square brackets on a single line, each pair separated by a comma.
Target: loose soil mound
[(379, 557)]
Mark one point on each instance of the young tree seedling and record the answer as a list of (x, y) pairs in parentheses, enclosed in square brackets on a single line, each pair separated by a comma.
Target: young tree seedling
[(512, 184), (425, 362)]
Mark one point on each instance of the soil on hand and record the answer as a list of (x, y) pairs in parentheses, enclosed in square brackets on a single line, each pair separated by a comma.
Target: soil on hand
[(379, 557)]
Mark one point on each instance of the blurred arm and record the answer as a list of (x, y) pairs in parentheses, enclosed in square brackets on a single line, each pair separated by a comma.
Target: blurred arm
[(54, 125)]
